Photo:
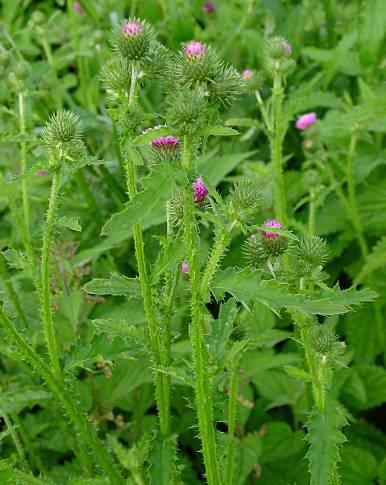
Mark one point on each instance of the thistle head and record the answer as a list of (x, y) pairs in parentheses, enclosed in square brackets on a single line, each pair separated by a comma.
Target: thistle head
[(326, 344), (116, 76), (186, 112), (247, 74), (287, 48), (265, 245), (277, 54), (209, 7), (165, 148), (200, 190), (306, 120), (63, 133), (245, 198), (312, 254), (194, 49), (184, 267), (133, 39)]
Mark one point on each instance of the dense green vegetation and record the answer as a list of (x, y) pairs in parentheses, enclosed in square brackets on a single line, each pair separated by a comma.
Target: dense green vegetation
[(193, 242)]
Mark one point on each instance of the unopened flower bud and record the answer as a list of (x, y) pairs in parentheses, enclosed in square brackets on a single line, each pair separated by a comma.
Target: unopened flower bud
[(266, 244), (312, 253)]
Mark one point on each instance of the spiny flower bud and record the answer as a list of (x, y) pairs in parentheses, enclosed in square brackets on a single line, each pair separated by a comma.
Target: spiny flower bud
[(324, 341), (226, 85), (165, 148), (200, 191), (131, 119), (312, 253), (305, 121), (196, 62), (277, 54), (245, 197), (266, 244), (116, 77), (186, 112), (176, 210), (185, 267), (133, 39), (63, 132)]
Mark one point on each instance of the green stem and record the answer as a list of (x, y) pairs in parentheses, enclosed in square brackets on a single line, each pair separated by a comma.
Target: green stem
[(45, 298), (276, 139), (24, 190), (11, 291), (203, 385), (13, 433), (68, 401), (311, 213), (232, 408)]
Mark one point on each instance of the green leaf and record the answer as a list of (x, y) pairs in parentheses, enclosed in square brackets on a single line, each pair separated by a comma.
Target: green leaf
[(374, 381), (278, 388), (215, 169), (116, 285), (150, 135), (297, 373), (132, 458), (216, 130), (280, 442), (70, 222), (371, 30), (118, 328), (375, 260), (325, 438), (163, 461), (248, 455), (16, 259), (14, 400), (158, 188), (221, 329), (243, 122), (359, 467)]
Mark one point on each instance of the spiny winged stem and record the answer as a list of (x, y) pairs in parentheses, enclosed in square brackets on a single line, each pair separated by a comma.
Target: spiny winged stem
[(87, 433), (276, 140), (232, 408), (45, 294), (162, 381), (24, 191), (220, 244), (203, 386)]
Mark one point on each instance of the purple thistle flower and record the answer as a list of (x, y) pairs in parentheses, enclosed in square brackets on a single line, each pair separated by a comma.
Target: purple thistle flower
[(305, 121), (41, 173), (131, 28), (165, 142), (78, 8), (287, 48), (272, 223), (209, 7), (247, 73), (194, 49), (200, 191), (184, 267)]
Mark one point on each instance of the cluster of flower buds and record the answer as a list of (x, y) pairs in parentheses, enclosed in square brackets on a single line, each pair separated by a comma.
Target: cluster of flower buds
[(312, 254), (277, 56), (266, 245), (63, 134), (165, 148)]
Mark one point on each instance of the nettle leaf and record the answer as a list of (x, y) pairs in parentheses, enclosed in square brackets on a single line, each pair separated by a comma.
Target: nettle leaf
[(374, 381), (158, 188), (116, 285), (364, 334), (247, 456), (280, 442), (246, 286), (162, 459), (14, 400), (278, 388), (119, 328), (325, 438), (359, 467)]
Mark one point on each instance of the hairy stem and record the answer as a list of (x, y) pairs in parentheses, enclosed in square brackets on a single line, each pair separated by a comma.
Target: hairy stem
[(232, 408), (87, 433), (220, 244), (276, 139), (203, 386), (45, 294)]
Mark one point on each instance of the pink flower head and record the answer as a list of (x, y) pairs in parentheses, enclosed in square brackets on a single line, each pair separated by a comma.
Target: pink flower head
[(78, 8), (165, 142), (247, 73), (209, 7), (200, 191), (194, 49), (287, 48), (305, 121), (41, 173), (272, 223), (185, 267), (132, 28)]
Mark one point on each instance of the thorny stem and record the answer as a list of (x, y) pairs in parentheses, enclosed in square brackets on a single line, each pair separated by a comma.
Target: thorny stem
[(45, 296), (276, 139), (87, 433), (232, 408), (203, 386), (220, 244), (162, 381)]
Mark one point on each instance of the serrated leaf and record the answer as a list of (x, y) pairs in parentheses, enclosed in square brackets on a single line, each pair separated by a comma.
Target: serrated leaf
[(297, 373), (158, 188), (115, 285), (325, 438), (119, 328), (16, 259), (163, 461), (374, 381), (14, 400)]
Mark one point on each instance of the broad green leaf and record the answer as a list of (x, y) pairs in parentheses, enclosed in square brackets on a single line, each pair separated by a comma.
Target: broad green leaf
[(280, 442), (116, 285), (364, 334), (158, 188), (359, 467), (243, 122), (14, 400), (215, 169), (374, 380), (221, 329), (278, 388), (325, 438), (163, 461), (119, 328), (247, 457)]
